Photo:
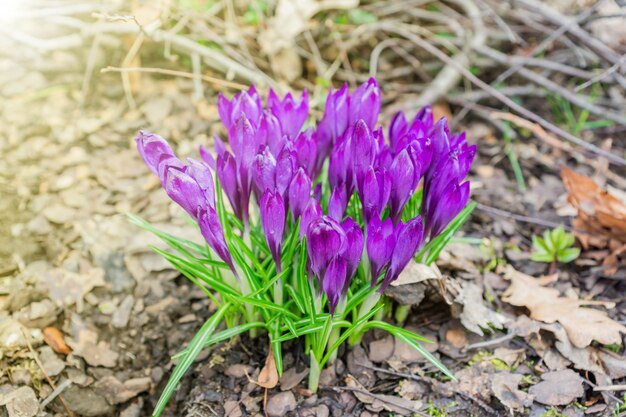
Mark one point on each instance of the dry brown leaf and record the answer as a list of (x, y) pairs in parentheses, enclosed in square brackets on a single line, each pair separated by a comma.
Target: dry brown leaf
[(581, 324), (598, 211), (268, 377)]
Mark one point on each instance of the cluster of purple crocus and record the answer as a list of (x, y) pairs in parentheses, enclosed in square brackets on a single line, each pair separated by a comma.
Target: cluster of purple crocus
[(276, 161)]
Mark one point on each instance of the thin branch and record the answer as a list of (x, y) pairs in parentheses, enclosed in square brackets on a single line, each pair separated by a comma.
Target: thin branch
[(397, 29)]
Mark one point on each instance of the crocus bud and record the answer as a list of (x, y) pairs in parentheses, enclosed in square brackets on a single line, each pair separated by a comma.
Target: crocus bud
[(402, 173), (312, 211), (305, 147), (363, 149), (244, 102), (381, 241), (270, 133), (326, 238), (336, 114), (153, 149), (264, 170), (374, 193), (408, 239), (211, 229), (452, 200), (354, 248), (207, 157), (227, 176), (286, 166), (290, 113), (201, 173), (337, 203), (397, 129), (184, 190), (299, 193), (334, 280), (365, 103), (272, 209)]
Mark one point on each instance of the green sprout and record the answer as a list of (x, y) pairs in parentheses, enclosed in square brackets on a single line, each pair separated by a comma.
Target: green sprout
[(554, 246)]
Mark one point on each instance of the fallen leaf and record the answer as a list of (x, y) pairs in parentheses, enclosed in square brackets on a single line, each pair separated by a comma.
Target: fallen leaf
[(558, 388), (268, 377), (379, 402), (291, 378), (505, 387), (476, 315), (601, 216), (583, 325), (54, 338)]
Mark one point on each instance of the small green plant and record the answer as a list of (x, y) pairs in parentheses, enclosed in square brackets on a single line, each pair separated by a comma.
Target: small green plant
[(620, 408), (554, 246)]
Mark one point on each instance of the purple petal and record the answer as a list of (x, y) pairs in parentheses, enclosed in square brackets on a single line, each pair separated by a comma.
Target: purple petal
[(264, 170), (326, 239), (409, 237), (306, 148), (201, 173), (153, 149), (363, 149), (381, 241), (211, 229), (272, 209), (286, 166), (402, 173), (334, 281), (337, 203), (310, 213), (354, 247), (185, 191), (453, 199), (227, 176), (299, 193), (365, 103), (397, 129)]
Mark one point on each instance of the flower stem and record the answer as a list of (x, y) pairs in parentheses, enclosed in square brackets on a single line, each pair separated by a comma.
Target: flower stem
[(368, 305), (402, 312), (335, 333), (314, 373)]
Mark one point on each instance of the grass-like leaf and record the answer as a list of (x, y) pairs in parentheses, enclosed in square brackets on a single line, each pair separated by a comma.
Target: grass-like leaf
[(195, 347)]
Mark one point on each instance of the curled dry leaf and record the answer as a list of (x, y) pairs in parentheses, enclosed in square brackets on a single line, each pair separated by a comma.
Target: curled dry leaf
[(601, 220), (476, 316), (54, 338), (268, 377), (545, 304)]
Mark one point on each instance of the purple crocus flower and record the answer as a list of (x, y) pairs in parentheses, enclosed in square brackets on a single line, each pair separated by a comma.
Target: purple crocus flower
[(408, 239), (272, 209), (337, 203), (452, 200), (290, 113), (227, 175), (270, 133), (354, 248), (365, 103), (381, 241), (184, 190), (335, 120), (403, 175), (299, 193), (334, 281), (374, 192), (286, 166), (211, 229), (264, 171), (363, 150), (153, 149), (245, 102), (326, 238), (306, 148), (312, 211)]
